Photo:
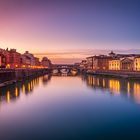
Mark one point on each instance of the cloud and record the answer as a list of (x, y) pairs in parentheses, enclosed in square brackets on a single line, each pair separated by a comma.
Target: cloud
[(76, 56)]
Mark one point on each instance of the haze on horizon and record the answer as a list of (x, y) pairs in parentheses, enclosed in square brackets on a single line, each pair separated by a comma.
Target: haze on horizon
[(70, 30)]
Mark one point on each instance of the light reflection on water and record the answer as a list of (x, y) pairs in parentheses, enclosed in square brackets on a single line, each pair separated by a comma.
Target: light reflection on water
[(130, 88), (12, 92), (74, 107)]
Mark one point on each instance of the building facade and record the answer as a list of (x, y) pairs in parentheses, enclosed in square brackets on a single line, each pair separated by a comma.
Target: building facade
[(115, 64), (37, 62), (100, 62), (2, 61), (83, 64), (137, 64), (46, 62), (127, 64), (14, 59), (32, 58), (26, 61), (89, 63)]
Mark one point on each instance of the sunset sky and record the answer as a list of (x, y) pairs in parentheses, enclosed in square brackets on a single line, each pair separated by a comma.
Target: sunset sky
[(69, 30)]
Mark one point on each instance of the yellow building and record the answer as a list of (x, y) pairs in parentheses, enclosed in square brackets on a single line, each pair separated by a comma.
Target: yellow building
[(137, 64), (124, 63), (115, 64)]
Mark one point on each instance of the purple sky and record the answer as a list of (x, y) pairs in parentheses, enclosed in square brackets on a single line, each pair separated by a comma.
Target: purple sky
[(69, 30)]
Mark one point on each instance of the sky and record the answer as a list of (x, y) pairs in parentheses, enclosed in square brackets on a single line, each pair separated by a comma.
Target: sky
[(70, 30)]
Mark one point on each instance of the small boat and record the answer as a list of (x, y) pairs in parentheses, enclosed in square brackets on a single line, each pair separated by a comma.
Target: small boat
[(64, 71), (55, 71), (74, 71)]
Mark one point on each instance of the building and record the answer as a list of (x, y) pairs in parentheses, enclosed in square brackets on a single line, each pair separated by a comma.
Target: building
[(114, 55), (83, 64), (100, 62), (137, 63), (26, 61), (115, 64), (113, 61), (6, 54), (127, 64), (12, 58), (77, 65), (37, 62), (30, 61), (2, 61), (46, 62), (89, 62), (32, 58)]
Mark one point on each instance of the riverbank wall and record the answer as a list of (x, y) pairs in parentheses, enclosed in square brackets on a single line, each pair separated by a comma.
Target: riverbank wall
[(111, 73), (11, 76)]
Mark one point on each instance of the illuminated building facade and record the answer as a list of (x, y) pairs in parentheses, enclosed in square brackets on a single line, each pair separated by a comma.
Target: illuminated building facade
[(26, 61), (100, 62), (137, 64), (10, 58), (115, 64), (90, 63), (127, 64), (32, 58), (14, 60)]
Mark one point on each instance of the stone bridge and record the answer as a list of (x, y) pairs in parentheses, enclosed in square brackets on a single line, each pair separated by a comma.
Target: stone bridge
[(65, 68)]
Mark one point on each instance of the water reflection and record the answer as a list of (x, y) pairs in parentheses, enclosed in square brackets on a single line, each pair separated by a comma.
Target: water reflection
[(65, 74), (46, 79), (12, 92), (127, 88), (114, 86)]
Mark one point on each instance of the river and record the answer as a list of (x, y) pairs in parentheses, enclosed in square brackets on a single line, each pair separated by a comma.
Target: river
[(70, 107)]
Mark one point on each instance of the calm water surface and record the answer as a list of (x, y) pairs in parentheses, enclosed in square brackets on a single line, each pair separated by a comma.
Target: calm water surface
[(70, 107)]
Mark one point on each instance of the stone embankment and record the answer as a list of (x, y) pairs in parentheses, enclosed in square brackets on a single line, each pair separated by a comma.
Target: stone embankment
[(120, 73), (10, 76)]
